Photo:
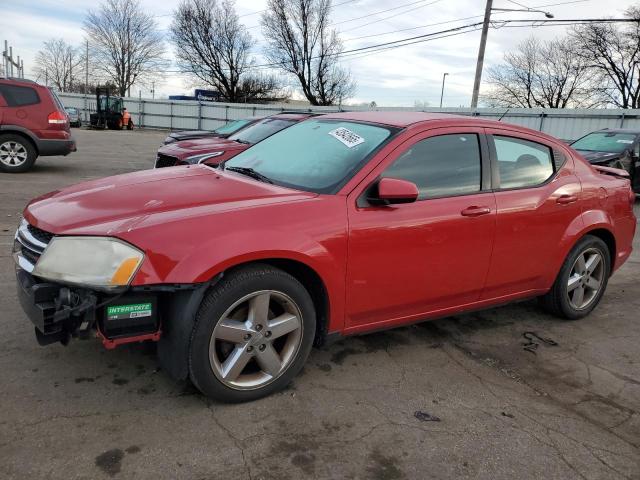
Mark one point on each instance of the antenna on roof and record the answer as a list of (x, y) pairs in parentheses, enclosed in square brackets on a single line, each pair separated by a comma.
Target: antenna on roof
[(505, 112)]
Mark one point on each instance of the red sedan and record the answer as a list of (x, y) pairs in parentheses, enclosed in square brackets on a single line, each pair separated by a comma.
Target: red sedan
[(338, 225)]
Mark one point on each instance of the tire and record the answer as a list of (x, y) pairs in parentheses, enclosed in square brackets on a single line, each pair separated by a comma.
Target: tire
[(231, 352), (564, 300), (17, 154), (130, 125)]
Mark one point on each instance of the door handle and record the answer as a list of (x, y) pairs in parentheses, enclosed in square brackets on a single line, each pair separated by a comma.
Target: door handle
[(566, 199), (475, 211)]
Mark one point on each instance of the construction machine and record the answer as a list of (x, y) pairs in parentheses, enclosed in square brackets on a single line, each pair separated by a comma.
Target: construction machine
[(110, 112)]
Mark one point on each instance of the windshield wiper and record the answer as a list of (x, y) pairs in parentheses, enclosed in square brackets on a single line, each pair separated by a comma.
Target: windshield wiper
[(250, 172), (245, 142)]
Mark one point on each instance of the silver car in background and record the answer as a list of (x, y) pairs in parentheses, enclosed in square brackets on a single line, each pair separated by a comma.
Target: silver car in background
[(74, 116)]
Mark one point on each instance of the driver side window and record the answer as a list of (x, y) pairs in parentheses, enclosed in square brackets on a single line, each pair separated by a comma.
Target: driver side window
[(442, 166)]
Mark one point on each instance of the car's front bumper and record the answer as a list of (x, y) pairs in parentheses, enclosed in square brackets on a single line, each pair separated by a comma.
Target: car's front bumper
[(60, 312)]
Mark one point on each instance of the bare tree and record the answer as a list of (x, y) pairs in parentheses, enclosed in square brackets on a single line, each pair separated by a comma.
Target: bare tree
[(126, 45), (613, 54), (544, 75), (301, 42), (59, 64), (212, 45)]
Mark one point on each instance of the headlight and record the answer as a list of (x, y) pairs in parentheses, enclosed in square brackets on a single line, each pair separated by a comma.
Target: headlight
[(91, 261), (201, 158)]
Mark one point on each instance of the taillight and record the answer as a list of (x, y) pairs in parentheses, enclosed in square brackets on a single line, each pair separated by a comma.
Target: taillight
[(57, 118)]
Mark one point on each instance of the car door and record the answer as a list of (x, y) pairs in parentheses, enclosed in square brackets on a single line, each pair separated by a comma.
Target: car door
[(406, 260), (537, 197)]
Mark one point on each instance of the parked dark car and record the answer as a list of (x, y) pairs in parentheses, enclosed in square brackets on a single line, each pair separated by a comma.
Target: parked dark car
[(33, 122), (617, 148), (74, 117), (224, 131), (338, 225), (216, 150)]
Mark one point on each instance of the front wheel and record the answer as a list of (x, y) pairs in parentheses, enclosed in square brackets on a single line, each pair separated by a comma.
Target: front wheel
[(130, 125), (582, 280), (253, 333)]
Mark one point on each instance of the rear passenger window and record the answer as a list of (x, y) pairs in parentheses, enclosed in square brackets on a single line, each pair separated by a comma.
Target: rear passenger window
[(17, 96), (522, 163), (441, 166)]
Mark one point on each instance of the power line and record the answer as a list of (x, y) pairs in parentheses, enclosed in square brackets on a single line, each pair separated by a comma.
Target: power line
[(452, 32), (455, 20), (389, 17), (385, 11)]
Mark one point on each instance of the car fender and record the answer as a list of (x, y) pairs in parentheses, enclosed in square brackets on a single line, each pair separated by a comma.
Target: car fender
[(25, 132), (586, 222), (233, 248)]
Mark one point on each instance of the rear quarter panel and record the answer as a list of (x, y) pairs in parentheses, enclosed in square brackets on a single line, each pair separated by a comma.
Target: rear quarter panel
[(606, 205)]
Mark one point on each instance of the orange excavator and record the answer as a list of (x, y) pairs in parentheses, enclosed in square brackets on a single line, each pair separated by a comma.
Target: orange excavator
[(110, 112)]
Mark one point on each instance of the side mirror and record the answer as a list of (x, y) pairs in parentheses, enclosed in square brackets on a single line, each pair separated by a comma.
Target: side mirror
[(394, 190)]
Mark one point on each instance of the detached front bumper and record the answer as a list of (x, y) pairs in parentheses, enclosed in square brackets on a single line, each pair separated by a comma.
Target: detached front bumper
[(61, 312)]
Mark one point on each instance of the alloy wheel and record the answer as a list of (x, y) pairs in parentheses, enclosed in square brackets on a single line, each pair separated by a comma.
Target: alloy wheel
[(255, 340), (13, 154), (585, 279)]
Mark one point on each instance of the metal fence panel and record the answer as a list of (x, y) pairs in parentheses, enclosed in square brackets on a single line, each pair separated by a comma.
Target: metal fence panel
[(567, 124)]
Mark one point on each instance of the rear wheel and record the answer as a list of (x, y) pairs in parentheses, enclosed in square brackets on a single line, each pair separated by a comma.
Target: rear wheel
[(253, 333), (582, 280), (17, 154)]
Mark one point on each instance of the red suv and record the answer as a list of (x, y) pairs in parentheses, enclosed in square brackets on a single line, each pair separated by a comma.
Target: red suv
[(338, 225), (216, 150), (33, 122)]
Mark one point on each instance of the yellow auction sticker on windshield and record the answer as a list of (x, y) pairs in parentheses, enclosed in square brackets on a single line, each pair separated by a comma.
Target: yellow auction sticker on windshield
[(347, 137)]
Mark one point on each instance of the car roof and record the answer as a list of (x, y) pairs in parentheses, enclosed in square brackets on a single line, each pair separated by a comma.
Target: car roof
[(403, 119), (294, 115), (19, 80)]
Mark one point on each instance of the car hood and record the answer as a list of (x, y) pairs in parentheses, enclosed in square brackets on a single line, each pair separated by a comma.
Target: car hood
[(189, 134), (117, 204), (186, 148), (599, 157)]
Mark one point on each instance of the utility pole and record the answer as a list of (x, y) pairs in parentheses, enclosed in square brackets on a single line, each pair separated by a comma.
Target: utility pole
[(442, 92), (483, 42), (153, 90), (86, 80), (9, 63), (483, 46)]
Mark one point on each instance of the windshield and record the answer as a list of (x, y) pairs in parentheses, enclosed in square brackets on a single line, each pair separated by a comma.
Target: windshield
[(232, 126), (261, 130), (340, 148), (610, 142)]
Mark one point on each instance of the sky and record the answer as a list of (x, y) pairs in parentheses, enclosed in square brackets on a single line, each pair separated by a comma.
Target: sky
[(395, 77)]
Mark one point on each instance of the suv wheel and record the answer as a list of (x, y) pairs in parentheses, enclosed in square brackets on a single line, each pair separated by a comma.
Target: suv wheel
[(16, 154), (253, 333), (582, 280)]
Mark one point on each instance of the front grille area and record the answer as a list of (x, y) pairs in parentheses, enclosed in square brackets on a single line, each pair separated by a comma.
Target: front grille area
[(30, 243), (44, 237), (163, 160)]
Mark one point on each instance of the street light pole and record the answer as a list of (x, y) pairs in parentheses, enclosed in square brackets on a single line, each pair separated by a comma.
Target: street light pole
[(483, 46), (444, 76)]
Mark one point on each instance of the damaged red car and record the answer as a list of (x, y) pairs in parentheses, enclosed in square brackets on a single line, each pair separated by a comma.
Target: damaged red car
[(342, 224)]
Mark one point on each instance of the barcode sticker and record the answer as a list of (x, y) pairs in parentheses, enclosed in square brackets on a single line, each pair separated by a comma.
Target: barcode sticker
[(347, 137)]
